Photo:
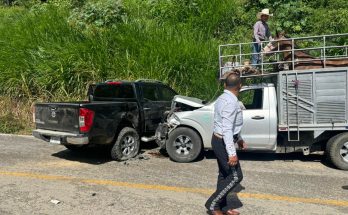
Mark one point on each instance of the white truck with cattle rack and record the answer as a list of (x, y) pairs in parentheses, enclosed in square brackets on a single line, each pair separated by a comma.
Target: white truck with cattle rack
[(292, 109)]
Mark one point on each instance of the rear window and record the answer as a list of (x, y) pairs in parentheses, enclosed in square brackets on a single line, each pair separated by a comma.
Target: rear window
[(123, 91)]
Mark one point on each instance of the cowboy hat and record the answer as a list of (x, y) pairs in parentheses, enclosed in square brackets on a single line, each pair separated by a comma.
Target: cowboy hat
[(264, 12)]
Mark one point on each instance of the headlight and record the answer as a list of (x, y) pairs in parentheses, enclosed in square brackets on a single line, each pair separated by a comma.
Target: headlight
[(174, 120)]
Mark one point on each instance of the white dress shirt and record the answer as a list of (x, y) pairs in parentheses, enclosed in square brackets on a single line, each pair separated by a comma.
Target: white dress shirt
[(228, 120)]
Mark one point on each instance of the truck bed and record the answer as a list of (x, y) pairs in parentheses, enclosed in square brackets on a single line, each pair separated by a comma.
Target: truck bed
[(313, 99), (64, 116)]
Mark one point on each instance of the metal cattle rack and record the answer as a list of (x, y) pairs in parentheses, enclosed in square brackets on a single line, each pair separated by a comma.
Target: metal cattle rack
[(325, 47), (299, 98)]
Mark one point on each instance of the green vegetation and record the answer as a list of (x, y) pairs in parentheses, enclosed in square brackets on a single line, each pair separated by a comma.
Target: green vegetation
[(15, 116), (9, 124), (52, 51)]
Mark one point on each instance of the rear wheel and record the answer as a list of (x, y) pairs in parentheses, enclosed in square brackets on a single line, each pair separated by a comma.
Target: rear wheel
[(127, 145), (184, 145), (337, 150)]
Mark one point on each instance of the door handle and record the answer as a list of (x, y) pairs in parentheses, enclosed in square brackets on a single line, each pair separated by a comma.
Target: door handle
[(258, 117), (146, 108)]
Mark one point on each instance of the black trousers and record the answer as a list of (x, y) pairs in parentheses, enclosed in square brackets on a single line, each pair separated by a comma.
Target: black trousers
[(229, 176)]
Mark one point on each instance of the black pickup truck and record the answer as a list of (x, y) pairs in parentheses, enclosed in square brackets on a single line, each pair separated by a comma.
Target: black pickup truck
[(118, 113)]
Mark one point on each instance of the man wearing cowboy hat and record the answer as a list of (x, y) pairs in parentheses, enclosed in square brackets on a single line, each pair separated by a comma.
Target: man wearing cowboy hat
[(261, 33)]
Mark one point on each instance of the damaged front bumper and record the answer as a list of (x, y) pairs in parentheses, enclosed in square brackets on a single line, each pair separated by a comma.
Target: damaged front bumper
[(164, 129), (179, 104), (161, 135)]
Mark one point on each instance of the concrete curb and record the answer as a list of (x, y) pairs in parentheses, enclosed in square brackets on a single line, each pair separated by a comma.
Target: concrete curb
[(16, 135)]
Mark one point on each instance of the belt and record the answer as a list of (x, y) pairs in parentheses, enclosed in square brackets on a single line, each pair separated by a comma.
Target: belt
[(218, 135), (235, 137)]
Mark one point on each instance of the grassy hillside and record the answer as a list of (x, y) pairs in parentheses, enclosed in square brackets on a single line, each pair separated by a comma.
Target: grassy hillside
[(52, 51)]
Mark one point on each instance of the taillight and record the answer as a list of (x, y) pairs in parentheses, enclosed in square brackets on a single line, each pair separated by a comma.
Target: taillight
[(85, 119)]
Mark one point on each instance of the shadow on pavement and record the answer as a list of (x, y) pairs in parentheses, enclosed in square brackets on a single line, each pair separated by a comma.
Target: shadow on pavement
[(91, 155), (97, 155), (264, 156), (232, 200), (100, 154)]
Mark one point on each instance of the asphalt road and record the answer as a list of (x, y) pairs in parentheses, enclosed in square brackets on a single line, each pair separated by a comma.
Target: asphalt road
[(32, 173)]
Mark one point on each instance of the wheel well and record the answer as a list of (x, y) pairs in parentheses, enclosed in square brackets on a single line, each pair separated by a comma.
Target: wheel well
[(326, 136), (316, 144), (122, 124)]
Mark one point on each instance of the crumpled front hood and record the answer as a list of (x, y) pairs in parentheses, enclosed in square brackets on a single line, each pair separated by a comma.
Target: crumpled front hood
[(190, 101)]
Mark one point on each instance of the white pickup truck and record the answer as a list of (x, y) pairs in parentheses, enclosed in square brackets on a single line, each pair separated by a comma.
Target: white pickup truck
[(298, 111)]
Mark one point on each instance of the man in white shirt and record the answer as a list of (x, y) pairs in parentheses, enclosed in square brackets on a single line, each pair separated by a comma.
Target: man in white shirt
[(228, 122)]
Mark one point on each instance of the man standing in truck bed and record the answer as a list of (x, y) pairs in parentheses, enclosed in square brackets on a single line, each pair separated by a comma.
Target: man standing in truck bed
[(228, 121), (261, 33)]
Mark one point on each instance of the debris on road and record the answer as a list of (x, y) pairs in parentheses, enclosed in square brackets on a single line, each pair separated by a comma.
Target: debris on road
[(94, 194), (143, 157), (54, 201), (138, 157)]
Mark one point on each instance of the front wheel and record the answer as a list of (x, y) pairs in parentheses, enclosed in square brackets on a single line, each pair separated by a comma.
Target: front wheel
[(184, 145), (127, 145), (337, 150)]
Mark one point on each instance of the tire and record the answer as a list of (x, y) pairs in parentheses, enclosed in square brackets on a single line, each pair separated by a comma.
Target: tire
[(75, 147), (337, 151), (127, 145), (184, 145)]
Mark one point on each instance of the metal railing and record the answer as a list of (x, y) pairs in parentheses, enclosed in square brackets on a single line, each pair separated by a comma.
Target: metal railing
[(321, 48)]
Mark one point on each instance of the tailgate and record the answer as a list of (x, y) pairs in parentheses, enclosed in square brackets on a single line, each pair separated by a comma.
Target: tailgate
[(57, 116)]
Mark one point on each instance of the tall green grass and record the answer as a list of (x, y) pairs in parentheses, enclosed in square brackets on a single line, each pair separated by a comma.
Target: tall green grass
[(47, 55)]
